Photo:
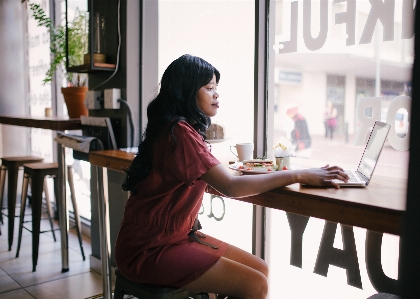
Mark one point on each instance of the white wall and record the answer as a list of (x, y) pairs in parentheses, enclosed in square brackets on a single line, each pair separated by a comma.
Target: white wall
[(12, 76)]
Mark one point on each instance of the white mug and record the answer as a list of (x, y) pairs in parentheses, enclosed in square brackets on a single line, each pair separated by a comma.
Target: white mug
[(245, 151), (282, 162)]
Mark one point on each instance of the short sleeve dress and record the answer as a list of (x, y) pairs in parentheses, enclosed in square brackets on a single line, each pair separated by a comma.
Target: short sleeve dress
[(153, 245)]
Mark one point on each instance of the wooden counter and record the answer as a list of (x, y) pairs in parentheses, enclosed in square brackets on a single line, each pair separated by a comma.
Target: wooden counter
[(111, 159), (49, 123), (379, 207)]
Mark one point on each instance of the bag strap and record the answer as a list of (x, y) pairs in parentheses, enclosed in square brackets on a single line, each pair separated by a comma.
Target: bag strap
[(196, 235)]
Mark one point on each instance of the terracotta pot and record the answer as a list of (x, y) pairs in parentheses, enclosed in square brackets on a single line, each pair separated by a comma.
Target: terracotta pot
[(74, 97)]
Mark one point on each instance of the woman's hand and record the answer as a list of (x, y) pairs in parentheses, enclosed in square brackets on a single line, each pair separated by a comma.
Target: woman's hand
[(323, 176)]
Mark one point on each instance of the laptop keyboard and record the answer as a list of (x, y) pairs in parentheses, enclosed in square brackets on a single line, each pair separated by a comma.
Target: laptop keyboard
[(352, 177)]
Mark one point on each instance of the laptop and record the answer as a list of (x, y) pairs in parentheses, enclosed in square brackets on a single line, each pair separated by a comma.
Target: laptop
[(362, 175)]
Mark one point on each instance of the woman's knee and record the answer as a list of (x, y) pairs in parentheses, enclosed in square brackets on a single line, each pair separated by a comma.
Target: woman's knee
[(262, 267), (246, 258), (259, 287)]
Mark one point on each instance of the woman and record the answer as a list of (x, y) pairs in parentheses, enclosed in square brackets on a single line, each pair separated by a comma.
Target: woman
[(330, 119), (300, 133), (156, 243)]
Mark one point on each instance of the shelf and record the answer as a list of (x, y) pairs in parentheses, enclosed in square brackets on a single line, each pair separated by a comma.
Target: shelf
[(86, 68)]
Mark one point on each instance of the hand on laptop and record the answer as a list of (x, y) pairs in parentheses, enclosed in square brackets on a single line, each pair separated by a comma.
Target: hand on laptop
[(323, 176)]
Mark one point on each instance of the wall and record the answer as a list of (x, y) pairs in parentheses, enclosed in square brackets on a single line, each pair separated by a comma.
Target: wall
[(13, 96), (109, 9)]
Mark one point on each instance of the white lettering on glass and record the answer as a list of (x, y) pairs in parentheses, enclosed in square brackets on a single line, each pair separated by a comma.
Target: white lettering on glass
[(349, 18), (407, 20), (400, 143), (367, 122), (381, 11), (291, 45), (317, 43), (397, 142)]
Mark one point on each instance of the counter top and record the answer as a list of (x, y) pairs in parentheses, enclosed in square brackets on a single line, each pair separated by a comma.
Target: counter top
[(379, 207), (49, 123)]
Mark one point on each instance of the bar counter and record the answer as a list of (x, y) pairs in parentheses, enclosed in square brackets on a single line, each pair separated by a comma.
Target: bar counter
[(48, 123), (379, 207)]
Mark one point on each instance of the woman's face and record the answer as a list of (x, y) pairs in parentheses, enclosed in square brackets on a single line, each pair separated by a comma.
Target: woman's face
[(207, 98)]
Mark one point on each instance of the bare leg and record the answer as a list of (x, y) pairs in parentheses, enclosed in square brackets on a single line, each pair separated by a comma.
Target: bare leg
[(238, 274)]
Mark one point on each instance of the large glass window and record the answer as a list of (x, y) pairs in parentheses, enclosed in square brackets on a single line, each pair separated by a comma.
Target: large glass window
[(39, 94), (328, 57), (222, 33), (41, 97)]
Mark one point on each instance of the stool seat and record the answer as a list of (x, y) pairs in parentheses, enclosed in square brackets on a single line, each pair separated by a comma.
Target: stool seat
[(123, 286), (42, 168), (12, 165)]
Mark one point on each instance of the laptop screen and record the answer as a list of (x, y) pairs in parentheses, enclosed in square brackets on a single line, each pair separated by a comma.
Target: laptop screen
[(373, 148)]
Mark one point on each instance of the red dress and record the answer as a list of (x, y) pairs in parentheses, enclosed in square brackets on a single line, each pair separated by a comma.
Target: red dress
[(153, 245)]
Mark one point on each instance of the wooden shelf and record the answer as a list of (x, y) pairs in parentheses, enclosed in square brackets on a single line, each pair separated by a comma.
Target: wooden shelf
[(86, 68)]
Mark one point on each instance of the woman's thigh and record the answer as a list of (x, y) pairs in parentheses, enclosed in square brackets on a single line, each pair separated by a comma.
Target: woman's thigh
[(246, 258), (238, 274)]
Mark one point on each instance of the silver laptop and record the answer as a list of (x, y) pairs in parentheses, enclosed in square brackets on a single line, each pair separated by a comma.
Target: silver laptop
[(362, 175)]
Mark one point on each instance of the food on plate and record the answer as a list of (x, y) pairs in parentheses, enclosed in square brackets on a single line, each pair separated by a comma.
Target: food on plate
[(258, 165)]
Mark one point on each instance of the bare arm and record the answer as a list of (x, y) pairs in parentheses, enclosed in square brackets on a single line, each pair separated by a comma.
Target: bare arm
[(246, 185)]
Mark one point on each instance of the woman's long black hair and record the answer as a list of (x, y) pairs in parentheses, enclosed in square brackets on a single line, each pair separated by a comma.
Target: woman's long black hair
[(175, 101)]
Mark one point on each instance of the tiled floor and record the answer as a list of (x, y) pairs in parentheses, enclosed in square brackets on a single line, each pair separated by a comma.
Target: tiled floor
[(18, 281)]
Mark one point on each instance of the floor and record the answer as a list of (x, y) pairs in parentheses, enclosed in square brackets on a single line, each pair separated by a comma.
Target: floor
[(18, 281)]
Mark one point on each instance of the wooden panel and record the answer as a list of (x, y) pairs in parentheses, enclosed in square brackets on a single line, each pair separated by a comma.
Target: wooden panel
[(49, 123), (112, 159), (379, 207)]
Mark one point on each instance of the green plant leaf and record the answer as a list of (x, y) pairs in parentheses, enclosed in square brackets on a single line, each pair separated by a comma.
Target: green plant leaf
[(77, 41)]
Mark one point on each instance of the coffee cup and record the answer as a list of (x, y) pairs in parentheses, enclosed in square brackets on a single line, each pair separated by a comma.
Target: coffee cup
[(283, 162), (244, 151)]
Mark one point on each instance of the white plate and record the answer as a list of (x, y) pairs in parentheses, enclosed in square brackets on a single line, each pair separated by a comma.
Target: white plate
[(257, 161), (244, 171)]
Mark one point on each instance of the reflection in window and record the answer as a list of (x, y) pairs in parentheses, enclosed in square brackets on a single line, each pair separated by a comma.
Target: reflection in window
[(345, 54), (314, 68)]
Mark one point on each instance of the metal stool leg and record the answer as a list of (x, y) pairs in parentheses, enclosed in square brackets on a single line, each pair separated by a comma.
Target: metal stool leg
[(12, 178), (37, 184), (75, 209), (2, 181), (22, 210), (49, 209)]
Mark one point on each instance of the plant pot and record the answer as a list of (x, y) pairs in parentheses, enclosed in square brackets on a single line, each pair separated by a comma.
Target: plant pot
[(74, 97)]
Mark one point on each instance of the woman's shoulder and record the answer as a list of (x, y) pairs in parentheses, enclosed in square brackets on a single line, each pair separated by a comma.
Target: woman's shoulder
[(184, 128)]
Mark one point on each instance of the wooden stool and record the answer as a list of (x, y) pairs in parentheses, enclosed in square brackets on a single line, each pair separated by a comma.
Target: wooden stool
[(37, 172), (123, 286), (12, 165)]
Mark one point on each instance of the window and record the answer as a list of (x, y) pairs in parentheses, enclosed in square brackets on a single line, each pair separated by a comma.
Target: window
[(40, 98), (222, 33), (338, 53)]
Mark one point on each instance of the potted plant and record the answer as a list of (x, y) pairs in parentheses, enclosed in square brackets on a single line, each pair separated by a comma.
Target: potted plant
[(75, 92)]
